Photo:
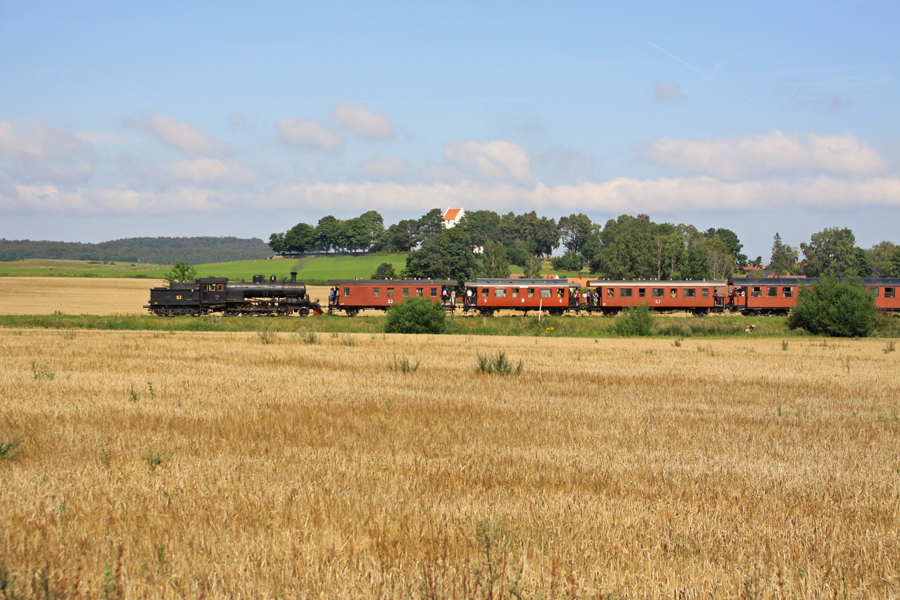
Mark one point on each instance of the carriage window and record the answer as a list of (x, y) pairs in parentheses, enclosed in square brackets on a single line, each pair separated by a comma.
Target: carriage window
[(658, 292), (531, 292), (515, 292), (390, 292), (376, 292), (874, 292), (642, 292), (346, 292), (890, 292), (674, 293), (545, 292), (419, 292), (705, 292), (405, 292), (772, 292), (484, 292), (625, 293), (500, 293), (787, 292), (610, 292), (690, 293), (757, 292), (434, 292)]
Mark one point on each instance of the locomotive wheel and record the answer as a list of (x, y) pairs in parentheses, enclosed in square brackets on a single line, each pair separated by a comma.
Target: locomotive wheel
[(303, 312)]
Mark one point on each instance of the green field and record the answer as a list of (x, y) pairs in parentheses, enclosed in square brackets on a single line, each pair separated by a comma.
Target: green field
[(311, 270)]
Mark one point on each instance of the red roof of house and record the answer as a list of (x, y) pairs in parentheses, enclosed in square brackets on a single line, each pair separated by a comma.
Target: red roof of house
[(451, 214)]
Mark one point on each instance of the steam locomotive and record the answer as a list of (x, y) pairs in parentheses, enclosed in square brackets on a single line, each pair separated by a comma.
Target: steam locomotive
[(209, 295)]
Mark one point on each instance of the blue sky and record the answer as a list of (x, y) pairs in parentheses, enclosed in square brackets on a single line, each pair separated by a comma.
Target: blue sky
[(179, 119)]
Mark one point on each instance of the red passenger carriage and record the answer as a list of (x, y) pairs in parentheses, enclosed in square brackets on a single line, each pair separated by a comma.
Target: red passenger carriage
[(777, 295), (699, 296), (354, 295), (490, 295)]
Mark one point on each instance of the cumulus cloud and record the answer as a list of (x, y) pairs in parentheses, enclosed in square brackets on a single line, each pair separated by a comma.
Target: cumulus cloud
[(307, 135), (35, 152), (363, 122), (48, 199), (757, 155), (620, 195), (387, 167), (667, 91), (181, 135), (497, 159)]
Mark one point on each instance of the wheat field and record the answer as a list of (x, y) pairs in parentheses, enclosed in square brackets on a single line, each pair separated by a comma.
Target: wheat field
[(212, 465)]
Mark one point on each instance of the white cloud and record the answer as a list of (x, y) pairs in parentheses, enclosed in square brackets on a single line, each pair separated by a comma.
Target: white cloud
[(497, 159), (667, 91), (386, 167), (363, 122), (756, 155), (48, 199), (620, 195), (182, 135), (33, 151), (616, 196), (307, 135), (205, 170)]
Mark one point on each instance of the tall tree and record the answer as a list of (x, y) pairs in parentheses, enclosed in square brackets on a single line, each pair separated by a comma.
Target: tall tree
[(494, 262), (880, 253), (784, 257), (329, 234), (299, 238), (430, 225), (402, 236), (733, 245), (574, 231), (481, 225), (447, 255), (831, 252), (891, 265)]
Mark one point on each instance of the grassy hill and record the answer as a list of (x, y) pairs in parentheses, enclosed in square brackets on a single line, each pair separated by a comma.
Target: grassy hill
[(311, 270)]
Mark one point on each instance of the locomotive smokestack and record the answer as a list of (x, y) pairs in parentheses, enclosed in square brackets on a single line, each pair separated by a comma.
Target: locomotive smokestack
[(293, 276)]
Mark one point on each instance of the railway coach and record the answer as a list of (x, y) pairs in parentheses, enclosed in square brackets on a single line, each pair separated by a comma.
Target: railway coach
[(490, 295), (698, 296), (777, 295), (354, 295)]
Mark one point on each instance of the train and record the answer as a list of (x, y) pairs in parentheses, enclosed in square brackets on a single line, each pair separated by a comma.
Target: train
[(765, 296), (217, 295), (487, 296)]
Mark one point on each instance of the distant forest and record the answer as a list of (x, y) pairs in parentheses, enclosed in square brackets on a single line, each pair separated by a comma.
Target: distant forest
[(160, 250)]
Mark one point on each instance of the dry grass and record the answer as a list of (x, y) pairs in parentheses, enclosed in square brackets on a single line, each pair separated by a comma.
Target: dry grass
[(74, 296), (211, 465)]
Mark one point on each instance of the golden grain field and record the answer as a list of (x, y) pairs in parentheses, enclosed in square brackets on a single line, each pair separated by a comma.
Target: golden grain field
[(217, 466), (74, 295)]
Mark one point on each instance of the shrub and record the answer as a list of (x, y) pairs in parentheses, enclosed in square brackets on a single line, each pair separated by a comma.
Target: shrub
[(496, 364), (9, 450), (835, 308), (634, 320), (384, 271), (416, 315)]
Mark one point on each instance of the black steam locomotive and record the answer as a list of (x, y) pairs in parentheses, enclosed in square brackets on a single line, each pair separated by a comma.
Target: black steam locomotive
[(209, 295)]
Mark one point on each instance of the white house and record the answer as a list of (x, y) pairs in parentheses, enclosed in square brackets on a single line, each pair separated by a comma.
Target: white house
[(452, 217)]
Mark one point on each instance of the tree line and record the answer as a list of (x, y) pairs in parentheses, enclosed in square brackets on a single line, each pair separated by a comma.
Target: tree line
[(158, 250), (625, 248)]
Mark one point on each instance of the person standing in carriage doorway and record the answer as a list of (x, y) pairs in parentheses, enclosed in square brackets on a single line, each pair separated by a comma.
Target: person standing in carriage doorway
[(444, 295)]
